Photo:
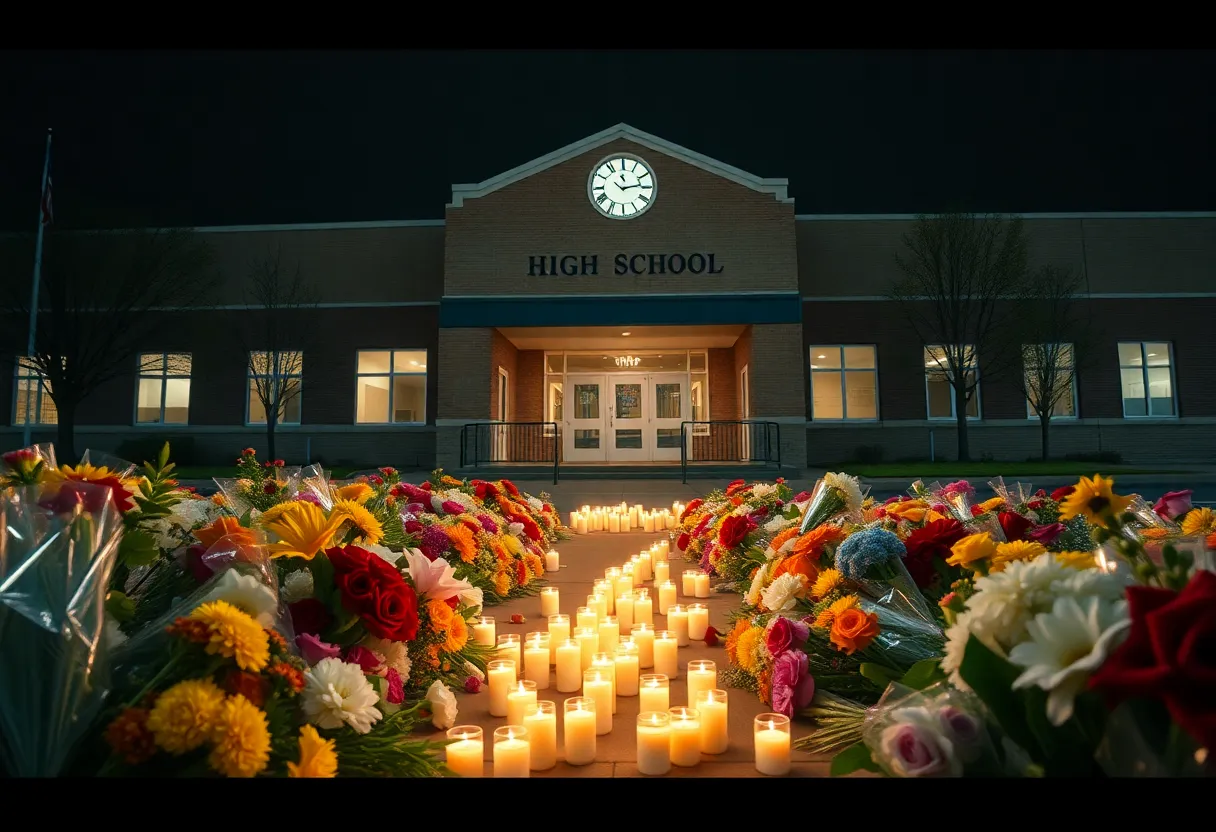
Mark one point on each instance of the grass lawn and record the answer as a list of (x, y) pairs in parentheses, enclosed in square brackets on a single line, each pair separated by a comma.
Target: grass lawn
[(993, 469), (206, 472)]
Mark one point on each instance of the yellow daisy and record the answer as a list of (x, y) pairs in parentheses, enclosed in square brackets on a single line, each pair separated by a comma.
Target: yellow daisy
[(276, 512), (317, 756), (745, 648), (825, 618), (1094, 500), (234, 635), (183, 717), (369, 528), (302, 532), (827, 581), (1017, 550), (1199, 521), (241, 739), (357, 492)]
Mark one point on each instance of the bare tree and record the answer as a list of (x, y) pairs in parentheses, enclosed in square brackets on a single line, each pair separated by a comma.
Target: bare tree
[(101, 299), (1057, 333), (275, 330), (963, 276)]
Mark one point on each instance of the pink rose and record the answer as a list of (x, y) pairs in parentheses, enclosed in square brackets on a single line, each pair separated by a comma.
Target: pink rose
[(1045, 534), (964, 732), (312, 649), (784, 633), (396, 689), (793, 685), (913, 750), (472, 685), (363, 657), (1174, 504)]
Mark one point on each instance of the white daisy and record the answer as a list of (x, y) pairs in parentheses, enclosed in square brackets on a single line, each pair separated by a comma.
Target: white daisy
[(247, 593), (848, 485), (336, 694)]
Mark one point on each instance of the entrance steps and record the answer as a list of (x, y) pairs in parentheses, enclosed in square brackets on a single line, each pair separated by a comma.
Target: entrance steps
[(626, 471)]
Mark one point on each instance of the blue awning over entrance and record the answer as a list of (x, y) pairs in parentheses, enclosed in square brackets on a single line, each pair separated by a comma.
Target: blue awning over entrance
[(621, 310)]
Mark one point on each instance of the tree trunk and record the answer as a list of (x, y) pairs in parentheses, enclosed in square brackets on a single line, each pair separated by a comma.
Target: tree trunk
[(65, 439), (270, 425), (960, 418), (1044, 434)]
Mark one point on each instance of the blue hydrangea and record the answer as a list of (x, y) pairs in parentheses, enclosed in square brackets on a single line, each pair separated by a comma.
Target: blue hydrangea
[(866, 549)]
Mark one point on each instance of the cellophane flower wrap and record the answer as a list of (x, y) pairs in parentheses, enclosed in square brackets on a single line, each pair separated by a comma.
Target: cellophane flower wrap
[(834, 495), (56, 557)]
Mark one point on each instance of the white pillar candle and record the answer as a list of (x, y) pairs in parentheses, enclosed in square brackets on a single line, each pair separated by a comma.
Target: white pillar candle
[(508, 648), (689, 587), (612, 573), (574, 518), (559, 631), (685, 736), (643, 608), (667, 595), (665, 654), (597, 519), (665, 550), (605, 663), (654, 742), (771, 733), (609, 632), (536, 660), (500, 678), (550, 599), (654, 693), (701, 585), (627, 669), (511, 751), (677, 622), (624, 583), (712, 705), (581, 528), (598, 604), (588, 640), (671, 522), (483, 631), (648, 523), (586, 616), (466, 753), (614, 522), (662, 572), (643, 637), (647, 563), (553, 560), (598, 688), (698, 622), (541, 721), (569, 666), (606, 588), (633, 517), (624, 612), (520, 696), (702, 675), (579, 729), (636, 572)]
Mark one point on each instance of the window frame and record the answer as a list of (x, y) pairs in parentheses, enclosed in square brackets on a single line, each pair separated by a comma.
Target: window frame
[(844, 407), (390, 375), (973, 367), (1072, 380), (1144, 368), (163, 378), (249, 392), (33, 373)]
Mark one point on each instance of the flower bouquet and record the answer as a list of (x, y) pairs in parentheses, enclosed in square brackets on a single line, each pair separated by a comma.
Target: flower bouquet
[(731, 527), (834, 495), (258, 486)]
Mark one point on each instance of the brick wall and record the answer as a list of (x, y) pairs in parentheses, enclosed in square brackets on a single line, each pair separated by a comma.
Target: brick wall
[(465, 354), (530, 386), (502, 354)]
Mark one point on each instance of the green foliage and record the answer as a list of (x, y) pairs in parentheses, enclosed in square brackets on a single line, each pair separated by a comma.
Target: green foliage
[(854, 758), (120, 606), (387, 750), (923, 674)]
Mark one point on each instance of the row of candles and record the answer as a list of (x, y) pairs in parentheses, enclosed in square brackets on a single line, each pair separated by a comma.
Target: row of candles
[(625, 518), (613, 641)]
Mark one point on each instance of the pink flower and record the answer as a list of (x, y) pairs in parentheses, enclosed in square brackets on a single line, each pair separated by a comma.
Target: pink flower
[(898, 498), (396, 689), (363, 657), (959, 487), (910, 749), (963, 730), (1174, 504), (451, 507), (1045, 534), (388, 472), (374, 480), (784, 633), (472, 685), (793, 685), (802, 496), (312, 649)]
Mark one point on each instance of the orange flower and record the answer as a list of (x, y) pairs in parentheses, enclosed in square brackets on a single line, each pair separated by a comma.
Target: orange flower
[(440, 614), (736, 501), (521, 573), (191, 630), (799, 563), (128, 736), (783, 536), (276, 640), (911, 510), (1210, 540), (218, 499), (536, 565), (221, 528), (463, 540), (432, 655), (853, 630), (813, 542), (732, 638), (764, 687), (458, 635), (1154, 533), (293, 677)]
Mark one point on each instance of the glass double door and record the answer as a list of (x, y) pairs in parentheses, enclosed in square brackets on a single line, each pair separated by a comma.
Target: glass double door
[(630, 417)]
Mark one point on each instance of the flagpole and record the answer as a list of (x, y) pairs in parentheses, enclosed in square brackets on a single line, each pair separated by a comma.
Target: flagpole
[(31, 345)]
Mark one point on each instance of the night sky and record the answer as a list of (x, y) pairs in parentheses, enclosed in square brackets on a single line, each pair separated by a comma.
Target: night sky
[(229, 138)]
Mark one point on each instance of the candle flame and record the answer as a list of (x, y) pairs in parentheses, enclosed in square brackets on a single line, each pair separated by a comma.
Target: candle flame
[(772, 725)]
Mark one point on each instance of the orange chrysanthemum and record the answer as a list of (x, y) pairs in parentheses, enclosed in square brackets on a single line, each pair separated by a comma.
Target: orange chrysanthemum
[(446, 480), (521, 573), (196, 632), (440, 614), (536, 565), (128, 736), (764, 687), (432, 655), (291, 675), (502, 584), (277, 642), (732, 638), (816, 540), (463, 540), (783, 536), (224, 527), (458, 635)]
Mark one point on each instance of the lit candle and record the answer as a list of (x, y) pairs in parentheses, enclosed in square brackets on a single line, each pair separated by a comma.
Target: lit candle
[(467, 751), (660, 552), (483, 631), (689, 587), (549, 601), (553, 562), (665, 661), (643, 608), (607, 589), (647, 564), (654, 693), (536, 660), (605, 663), (702, 675), (643, 637), (685, 736), (588, 639), (654, 742), (662, 572), (698, 622), (597, 521), (508, 648), (626, 668), (701, 585), (638, 574), (633, 517), (574, 518), (712, 705), (598, 688), (597, 604), (667, 595), (772, 737), (670, 518), (665, 549), (612, 573), (648, 523), (614, 522), (559, 631), (579, 730), (677, 622), (500, 676), (587, 616), (609, 631), (624, 582), (511, 751), (569, 666), (583, 519), (624, 612), (541, 721), (520, 697)]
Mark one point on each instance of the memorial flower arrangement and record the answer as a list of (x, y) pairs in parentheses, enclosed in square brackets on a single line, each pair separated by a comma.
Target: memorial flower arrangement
[(721, 532)]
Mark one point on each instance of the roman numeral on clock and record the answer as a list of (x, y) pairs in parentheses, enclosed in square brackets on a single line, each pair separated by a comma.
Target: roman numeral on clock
[(602, 198)]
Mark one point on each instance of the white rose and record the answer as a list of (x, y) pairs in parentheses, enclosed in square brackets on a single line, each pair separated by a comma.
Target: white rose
[(782, 594), (443, 705)]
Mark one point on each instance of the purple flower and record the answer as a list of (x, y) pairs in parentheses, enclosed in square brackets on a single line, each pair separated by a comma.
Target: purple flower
[(793, 685), (706, 566), (1045, 535), (435, 542), (307, 497), (1174, 504), (396, 689), (487, 523), (312, 649), (963, 730)]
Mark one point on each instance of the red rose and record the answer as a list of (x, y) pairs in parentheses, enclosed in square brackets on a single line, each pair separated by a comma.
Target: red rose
[(1013, 525), (931, 541), (976, 511), (1034, 505), (682, 542), (693, 506), (396, 614), (309, 616), (1062, 492), (733, 530), (375, 592), (426, 486), (376, 481), (1168, 655)]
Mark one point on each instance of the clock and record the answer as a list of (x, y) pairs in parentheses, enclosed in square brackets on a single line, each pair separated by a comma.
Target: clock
[(621, 186)]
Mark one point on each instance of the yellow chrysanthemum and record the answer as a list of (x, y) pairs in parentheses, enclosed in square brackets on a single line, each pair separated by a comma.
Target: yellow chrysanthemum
[(88, 473), (184, 716), (502, 583), (241, 741), (745, 648), (1094, 500), (992, 504), (349, 511), (234, 635), (303, 532), (512, 543), (356, 492), (317, 756), (827, 581), (446, 480), (825, 618), (458, 634), (1199, 521), (276, 512), (1017, 550), (972, 549), (1076, 560)]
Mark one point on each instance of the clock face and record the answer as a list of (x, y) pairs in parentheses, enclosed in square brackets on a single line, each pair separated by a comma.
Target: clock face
[(622, 187)]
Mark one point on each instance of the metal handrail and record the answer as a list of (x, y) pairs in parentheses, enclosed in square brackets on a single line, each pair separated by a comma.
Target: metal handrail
[(772, 441), (477, 427)]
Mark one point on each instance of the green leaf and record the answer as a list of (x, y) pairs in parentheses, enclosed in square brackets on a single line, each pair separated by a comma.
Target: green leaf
[(121, 607), (992, 678), (163, 459), (138, 548), (879, 675), (922, 674), (854, 758)]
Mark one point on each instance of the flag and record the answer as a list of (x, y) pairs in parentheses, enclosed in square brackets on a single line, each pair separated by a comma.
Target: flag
[(48, 215)]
